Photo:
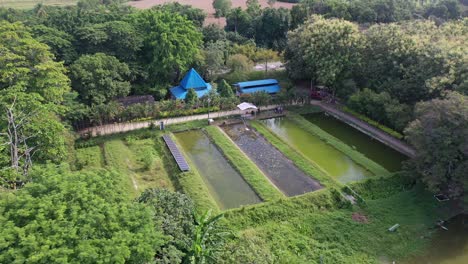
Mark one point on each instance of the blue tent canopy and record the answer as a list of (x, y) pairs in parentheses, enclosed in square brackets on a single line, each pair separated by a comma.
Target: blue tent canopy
[(191, 80), (270, 86)]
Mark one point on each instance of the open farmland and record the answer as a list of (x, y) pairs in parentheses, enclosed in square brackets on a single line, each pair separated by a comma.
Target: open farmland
[(205, 5)]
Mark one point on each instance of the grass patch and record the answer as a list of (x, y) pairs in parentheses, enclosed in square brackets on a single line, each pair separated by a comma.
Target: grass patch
[(89, 158), (319, 226), (139, 162), (298, 159), (148, 165), (246, 167), (193, 185), (356, 156)]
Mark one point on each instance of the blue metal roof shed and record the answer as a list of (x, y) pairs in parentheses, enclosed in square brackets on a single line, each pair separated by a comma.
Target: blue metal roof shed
[(270, 86), (191, 80)]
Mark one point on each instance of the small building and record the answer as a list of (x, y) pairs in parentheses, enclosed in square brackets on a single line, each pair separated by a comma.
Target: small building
[(270, 86), (191, 80)]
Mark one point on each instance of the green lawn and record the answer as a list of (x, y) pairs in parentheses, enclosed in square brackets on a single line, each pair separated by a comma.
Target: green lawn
[(28, 4)]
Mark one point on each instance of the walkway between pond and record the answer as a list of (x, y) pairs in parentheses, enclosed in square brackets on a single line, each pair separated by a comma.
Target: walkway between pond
[(368, 129), (129, 126)]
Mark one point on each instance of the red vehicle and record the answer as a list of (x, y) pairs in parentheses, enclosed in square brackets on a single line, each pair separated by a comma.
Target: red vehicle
[(319, 92)]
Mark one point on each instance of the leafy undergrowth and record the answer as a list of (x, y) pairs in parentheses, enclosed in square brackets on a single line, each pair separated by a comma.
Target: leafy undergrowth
[(90, 157), (318, 227), (246, 167)]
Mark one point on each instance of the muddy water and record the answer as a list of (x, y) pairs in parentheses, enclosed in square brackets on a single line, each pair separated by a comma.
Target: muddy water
[(226, 185), (447, 247), (280, 170), (331, 160), (387, 157)]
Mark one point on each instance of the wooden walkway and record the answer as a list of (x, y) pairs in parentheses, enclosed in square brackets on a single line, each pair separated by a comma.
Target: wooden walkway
[(179, 158)]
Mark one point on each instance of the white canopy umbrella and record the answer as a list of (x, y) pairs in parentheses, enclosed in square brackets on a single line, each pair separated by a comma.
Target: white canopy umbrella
[(245, 106)]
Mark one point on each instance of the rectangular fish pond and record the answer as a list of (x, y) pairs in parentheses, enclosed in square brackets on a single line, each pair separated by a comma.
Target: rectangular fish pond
[(280, 170), (226, 185), (373, 149), (334, 162)]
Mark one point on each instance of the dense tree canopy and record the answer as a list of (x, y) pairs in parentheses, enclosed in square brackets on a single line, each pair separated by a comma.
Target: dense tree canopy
[(28, 65), (100, 78), (171, 45), (80, 217), (324, 50), (439, 134)]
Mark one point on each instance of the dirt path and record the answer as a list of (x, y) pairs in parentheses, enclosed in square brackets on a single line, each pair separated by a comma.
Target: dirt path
[(368, 129)]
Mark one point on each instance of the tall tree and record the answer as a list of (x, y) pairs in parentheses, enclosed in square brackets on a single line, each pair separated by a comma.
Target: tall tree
[(325, 50), (28, 64), (171, 45), (439, 135), (272, 27), (221, 7), (100, 78), (225, 90)]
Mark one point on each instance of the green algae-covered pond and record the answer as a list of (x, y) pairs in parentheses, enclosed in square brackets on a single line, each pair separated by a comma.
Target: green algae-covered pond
[(387, 157), (331, 160), (226, 185)]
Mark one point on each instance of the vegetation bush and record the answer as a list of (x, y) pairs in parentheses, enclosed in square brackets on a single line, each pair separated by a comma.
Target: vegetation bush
[(374, 123), (89, 157)]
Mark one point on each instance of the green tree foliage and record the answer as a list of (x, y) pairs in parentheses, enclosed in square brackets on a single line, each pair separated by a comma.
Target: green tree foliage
[(81, 217), (254, 8), (100, 78), (381, 107), (174, 213), (225, 90), (30, 133), (240, 22), (272, 27), (28, 65), (171, 45), (324, 50), (214, 55), (191, 98), (439, 135), (266, 55), (239, 63), (213, 33), (60, 42), (208, 239), (197, 16), (116, 38), (221, 7)]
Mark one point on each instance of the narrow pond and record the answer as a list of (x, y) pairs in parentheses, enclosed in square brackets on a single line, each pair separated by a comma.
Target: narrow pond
[(447, 247), (280, 170), (331, 160), (226, 185), (387, 157)]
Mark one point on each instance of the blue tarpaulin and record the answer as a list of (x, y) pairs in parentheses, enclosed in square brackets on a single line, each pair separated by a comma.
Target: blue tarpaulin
[(191, 80)]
